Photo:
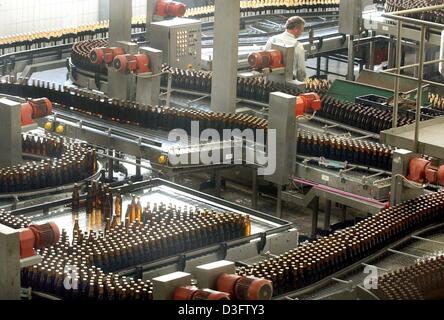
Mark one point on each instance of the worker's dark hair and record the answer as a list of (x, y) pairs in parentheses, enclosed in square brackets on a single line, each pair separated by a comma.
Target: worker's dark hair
[(294, 23)]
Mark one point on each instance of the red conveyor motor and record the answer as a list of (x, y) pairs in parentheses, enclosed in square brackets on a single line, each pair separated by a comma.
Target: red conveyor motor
[(170, 8), (417, 170), (34, 109), (105, 55), (422, 170), (266, 59), (37, 237), (194, 293), (245, 288), (132, 63), (306, 102)]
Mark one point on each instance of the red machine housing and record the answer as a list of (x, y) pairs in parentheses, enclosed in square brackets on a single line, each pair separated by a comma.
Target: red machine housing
[(132, 63), (417, 170), (440, 175), (194, 293), (422, 170), (431, 174), (36, 237), (34, 109), (306, 102), (105, 55), (266, 59), (170, 8), (245, 288)]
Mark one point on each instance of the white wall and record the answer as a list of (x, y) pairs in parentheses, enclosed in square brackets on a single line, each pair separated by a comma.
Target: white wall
[(21, 16), (139, 8)]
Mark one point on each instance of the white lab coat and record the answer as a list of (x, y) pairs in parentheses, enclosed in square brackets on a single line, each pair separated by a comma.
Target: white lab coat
[(286, 38)]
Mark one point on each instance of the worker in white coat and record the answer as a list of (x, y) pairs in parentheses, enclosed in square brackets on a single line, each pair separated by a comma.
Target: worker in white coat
[(294, 28)]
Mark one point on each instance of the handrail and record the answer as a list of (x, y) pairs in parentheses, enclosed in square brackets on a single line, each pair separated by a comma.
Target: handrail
[(399, 16)]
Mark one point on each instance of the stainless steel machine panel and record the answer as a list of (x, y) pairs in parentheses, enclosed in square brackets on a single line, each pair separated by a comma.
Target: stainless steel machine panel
[(282, 119), (350, 16), (180, 41)]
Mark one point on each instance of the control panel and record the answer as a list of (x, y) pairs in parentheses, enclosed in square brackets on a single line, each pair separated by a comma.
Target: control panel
[(180, 41)]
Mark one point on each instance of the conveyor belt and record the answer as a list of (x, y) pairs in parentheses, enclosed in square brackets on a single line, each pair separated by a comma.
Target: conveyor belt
[(414, 248), (160, 191), (159, 194)]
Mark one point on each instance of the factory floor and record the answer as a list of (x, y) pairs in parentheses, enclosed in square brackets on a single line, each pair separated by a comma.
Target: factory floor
[(300, 217)]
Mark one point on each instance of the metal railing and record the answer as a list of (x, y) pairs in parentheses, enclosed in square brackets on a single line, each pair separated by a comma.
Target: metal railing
[(400, 17)]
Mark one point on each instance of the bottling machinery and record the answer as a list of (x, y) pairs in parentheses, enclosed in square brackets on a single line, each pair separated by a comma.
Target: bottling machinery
[(183, 244)]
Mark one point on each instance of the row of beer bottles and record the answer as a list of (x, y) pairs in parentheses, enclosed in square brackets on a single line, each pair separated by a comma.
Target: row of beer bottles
[(353, 151), (42, 146), (314, 261), (73, 166), (71, 279), (14, 222), (421, 281)]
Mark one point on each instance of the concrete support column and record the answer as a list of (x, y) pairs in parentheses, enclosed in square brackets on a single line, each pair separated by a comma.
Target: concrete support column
[(10, 264), (10, 133), (120, 14), (151, 11), (226, 32), (103, 10)]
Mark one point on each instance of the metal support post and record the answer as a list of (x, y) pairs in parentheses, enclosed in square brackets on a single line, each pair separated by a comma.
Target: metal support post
[(420, 83), (217, 183), (254, 190), (315, 216), (138, 167), (327, 64), (327, 220), (279, 201), (351, 59), (344, 213), (110, 165), (391, 52), (226, 31), (169, 86), (398, 72), (371, 55)]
